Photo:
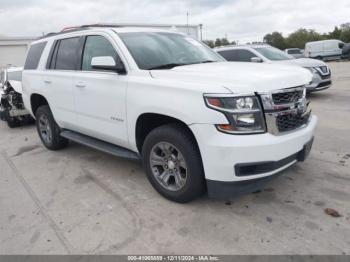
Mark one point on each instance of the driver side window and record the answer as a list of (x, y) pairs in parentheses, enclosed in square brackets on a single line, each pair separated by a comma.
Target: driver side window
[(97, 46)]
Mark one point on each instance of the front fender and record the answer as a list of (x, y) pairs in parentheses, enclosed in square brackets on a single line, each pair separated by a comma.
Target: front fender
[(186, 105)]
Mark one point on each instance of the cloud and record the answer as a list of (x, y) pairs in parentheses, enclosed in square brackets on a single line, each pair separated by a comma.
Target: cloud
[(243, 20)]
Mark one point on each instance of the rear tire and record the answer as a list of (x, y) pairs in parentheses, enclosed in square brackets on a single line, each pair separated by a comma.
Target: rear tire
[(173, 163), (48, 130)]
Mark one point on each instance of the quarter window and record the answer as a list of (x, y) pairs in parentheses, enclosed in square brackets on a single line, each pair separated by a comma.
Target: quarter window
[(96, 46), (34, 56), (67, 54)]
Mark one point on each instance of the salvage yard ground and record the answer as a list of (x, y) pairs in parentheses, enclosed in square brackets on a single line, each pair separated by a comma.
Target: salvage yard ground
[(82, 201)]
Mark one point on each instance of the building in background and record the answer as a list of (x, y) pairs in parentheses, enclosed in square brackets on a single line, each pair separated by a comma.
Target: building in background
[(13, 50)]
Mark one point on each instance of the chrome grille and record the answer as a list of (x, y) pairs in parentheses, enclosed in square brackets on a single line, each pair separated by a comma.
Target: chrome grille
[(287, 97), (285, 109), (324, 69), (290, 122)]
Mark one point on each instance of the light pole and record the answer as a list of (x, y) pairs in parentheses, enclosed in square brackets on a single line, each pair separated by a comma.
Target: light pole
[(188, 32), (201, 31)]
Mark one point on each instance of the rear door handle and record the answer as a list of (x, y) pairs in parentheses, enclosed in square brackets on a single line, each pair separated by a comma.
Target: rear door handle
[(47, 82), (80, 84)]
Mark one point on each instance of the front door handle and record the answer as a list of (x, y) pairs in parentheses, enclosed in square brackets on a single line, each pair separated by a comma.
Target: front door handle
[(80, 84), (47, 82)]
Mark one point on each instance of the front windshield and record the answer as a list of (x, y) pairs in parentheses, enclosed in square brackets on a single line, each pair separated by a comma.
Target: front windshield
[(273, 53), (155, 50)]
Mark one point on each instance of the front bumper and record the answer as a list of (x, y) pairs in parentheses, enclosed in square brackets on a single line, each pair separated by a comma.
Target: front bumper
[(218, 189), (222, 153), (4, 113), (319, 83)]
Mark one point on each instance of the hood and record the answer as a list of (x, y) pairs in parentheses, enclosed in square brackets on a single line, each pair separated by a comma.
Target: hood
[(304, 62), (238, 77)]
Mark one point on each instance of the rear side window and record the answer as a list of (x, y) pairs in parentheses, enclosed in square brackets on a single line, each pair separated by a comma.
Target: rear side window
[(34, 56), (230, 55), (239, 55), (67, 56)]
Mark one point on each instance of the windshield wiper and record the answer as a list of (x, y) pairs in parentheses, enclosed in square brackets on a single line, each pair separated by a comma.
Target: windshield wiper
[(166, 66), (172, 65), (207, 61)]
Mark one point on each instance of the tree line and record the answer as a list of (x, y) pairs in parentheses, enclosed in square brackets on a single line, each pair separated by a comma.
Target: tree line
[(218, 42), (295, 39)]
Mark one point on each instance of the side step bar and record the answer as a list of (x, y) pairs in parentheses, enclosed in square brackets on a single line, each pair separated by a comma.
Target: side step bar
[(100, 145)]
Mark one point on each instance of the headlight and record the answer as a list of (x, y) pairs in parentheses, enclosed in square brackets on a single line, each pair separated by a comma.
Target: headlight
[(244, 113), (312, 70)]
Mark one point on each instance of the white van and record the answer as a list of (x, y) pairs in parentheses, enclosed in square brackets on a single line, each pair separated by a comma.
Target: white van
[(326, 49)]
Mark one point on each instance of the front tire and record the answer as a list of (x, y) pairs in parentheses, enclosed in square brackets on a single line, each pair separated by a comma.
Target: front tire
[(173, 163), (48, 130)]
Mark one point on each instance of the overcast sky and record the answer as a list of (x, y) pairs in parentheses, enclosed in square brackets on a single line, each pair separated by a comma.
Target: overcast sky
[(243, 20)]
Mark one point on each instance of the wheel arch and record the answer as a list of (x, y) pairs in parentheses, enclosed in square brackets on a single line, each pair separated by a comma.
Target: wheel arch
[(147, 122), (37, 100)]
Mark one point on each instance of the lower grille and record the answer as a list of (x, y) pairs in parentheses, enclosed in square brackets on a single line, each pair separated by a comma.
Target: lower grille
[(251, 169), (323, 77), (327, 83), (290, 122)]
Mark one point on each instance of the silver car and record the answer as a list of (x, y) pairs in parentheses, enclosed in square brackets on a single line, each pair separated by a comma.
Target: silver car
[(295, 52), (321, 80)]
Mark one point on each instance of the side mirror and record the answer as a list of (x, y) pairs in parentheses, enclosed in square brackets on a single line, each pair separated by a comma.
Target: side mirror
[(256, 60), (341, 45), (107, 63)]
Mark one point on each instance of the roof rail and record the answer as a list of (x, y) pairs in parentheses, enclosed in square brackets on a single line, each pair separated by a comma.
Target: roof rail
[(82, 27), (64, 31), (101, 25), (87, 26), (134, 25)]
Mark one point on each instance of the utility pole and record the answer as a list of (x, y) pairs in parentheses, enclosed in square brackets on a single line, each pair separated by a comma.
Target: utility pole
[(201, 31), (188, 32)]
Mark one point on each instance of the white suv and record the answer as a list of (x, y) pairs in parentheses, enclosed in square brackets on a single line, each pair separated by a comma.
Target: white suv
[(197, 122)]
